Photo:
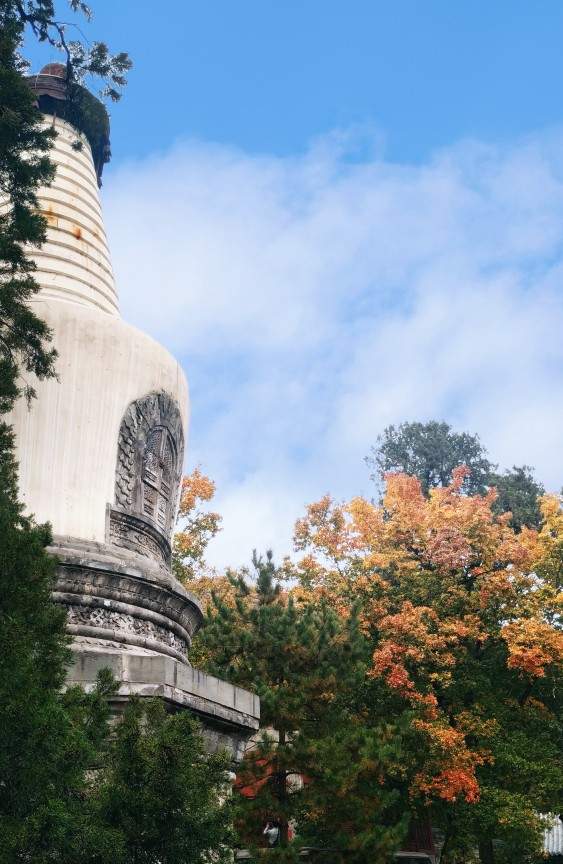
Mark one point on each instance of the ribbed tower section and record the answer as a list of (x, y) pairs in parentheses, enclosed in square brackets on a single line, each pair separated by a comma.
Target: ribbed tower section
[(101, 450), (74, 264)]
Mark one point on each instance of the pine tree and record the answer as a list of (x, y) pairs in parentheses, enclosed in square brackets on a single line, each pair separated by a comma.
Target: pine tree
[(33, 659), (160, 795), (307, 664), (24, 167), (44, 747)]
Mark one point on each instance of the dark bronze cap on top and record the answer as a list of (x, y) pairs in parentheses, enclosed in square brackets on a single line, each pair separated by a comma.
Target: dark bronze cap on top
[(59, 96)]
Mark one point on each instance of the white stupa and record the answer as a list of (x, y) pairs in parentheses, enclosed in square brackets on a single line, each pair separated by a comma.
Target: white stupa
[(101, 449)]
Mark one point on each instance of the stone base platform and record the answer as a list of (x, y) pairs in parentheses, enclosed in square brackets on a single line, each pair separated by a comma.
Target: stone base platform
[(228, 714), (127, 613)]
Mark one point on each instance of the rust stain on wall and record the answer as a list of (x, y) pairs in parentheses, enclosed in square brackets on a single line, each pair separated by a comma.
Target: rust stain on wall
[(50, 216)]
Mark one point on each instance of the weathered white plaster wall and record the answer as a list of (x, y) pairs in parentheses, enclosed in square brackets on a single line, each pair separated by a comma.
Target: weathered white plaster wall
[(67, 441), (125, 610)]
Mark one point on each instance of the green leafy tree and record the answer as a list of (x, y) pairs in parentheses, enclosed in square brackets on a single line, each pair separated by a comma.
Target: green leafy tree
[(48, 742), (91, 64), (431, 451), (518, 493), (24, 167), (33, 658)]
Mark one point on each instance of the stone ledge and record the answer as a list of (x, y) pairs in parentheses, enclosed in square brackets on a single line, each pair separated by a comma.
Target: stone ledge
[(229, 714), (196, 704), (76, 552)]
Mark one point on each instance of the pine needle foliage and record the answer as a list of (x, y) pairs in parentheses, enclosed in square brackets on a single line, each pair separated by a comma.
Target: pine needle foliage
[(316, 758), (160, 794), (24, 167)]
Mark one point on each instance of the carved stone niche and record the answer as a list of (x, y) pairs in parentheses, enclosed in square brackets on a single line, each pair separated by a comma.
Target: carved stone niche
[(150, 454)]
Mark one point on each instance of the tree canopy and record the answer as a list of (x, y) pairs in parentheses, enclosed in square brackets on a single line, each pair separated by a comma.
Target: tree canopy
[(307, 663), (446, 703), (159, 794), (432, 451), (463, 617), (24, 167), (197, 526)]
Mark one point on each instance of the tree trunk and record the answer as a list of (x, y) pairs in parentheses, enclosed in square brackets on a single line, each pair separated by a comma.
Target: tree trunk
[(444, 850), (486, 852), (282, 793)]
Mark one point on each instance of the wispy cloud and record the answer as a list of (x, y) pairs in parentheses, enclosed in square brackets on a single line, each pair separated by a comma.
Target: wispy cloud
[(314, 300)]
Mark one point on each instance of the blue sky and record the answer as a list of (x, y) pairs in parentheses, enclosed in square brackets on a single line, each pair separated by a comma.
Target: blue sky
[(340, 216), (268, 76)]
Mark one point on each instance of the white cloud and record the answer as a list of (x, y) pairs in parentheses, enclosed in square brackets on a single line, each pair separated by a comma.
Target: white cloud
[(313, 301)]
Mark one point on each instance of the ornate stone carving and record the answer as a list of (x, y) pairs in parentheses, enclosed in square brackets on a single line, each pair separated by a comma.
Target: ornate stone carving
[(111, 582), (137, 534), (128, 625), (149, 460), (159, 461), (111, 596)]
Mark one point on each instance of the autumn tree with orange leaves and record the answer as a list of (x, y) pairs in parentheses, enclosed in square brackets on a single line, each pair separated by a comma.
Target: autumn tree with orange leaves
[(197, 526), (308, 665), (463, 618), (460, 617)]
